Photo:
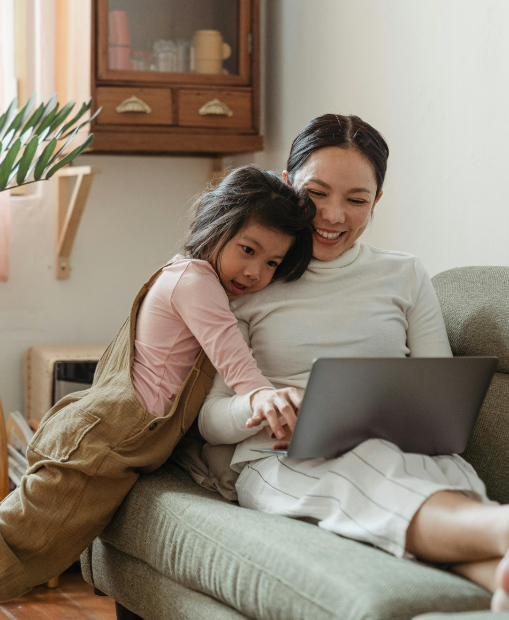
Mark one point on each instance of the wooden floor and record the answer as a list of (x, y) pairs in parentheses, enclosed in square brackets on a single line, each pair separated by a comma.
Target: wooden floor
[(74, 599)]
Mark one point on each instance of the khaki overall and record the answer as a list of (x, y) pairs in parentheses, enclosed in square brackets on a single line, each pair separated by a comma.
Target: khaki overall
[(88, 452)]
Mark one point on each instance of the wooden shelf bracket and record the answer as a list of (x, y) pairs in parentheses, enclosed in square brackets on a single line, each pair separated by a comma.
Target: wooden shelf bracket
[(69, 211)]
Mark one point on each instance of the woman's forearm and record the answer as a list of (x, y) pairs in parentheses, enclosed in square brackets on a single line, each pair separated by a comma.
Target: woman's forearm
[(223, 417)]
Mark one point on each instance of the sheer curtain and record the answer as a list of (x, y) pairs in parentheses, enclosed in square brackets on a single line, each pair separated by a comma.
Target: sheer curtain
[(39, 28), (8, 88)]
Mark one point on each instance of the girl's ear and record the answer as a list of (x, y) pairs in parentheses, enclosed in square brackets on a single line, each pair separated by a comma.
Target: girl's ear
[(285, 178)]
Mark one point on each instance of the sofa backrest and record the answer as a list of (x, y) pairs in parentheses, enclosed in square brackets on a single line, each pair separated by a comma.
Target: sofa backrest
[(475, 306)]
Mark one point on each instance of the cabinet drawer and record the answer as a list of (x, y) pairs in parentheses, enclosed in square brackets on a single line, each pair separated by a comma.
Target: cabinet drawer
[(134, 106), (215, 108)]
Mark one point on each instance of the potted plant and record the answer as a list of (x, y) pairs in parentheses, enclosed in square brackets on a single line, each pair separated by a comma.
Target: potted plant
[(21, 160)]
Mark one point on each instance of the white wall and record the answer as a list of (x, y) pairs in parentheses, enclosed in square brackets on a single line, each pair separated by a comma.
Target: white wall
[(433, 77), (133, 222)]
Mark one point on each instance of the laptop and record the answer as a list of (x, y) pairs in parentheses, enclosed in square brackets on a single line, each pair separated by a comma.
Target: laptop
[(423, 405)]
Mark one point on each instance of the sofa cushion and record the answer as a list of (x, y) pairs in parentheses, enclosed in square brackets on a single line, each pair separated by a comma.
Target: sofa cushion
[(473, 615), (268, 566), (133, 583)]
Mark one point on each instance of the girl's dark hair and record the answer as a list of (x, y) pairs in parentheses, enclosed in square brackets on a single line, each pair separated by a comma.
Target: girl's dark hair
[(252, 195), (343, 131)]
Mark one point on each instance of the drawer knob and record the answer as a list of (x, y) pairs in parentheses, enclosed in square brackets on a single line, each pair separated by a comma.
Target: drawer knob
[(133, 104), (215, 107)]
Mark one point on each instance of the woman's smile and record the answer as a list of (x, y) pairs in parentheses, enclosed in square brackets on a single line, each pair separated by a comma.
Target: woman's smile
[(328, 237)]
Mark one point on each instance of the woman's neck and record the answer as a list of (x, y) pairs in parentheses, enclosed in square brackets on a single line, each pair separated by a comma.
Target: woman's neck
[(343, 260)]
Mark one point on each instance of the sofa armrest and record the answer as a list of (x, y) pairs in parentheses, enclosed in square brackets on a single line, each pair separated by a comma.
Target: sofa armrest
[(487, 447), (475, 307), (86, 566)]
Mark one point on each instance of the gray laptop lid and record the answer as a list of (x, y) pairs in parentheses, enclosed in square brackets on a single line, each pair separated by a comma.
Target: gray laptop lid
[(423, 405)]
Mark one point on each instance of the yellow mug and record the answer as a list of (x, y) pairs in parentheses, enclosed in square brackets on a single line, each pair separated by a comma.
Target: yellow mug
[(210, 51)]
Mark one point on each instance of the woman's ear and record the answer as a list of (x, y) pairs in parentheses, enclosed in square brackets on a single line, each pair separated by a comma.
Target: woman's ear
[(285, 178), (376, 200)]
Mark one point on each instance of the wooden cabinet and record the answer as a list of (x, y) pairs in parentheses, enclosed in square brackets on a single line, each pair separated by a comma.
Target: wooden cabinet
[(133, 106), (175, 76)]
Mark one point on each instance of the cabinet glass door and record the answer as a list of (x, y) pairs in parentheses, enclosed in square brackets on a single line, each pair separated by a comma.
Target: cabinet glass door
[(158, 37)]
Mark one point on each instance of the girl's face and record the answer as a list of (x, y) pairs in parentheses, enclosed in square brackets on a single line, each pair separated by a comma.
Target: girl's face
[(250, 259), (342, 184)]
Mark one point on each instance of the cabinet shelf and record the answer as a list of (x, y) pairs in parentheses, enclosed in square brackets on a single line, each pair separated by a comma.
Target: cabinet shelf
[(152, 111)]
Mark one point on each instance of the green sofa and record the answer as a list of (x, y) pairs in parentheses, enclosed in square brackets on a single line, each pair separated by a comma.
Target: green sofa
[(176, 551)]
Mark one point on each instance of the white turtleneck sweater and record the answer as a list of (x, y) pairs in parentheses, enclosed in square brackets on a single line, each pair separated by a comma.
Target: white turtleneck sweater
[(365, 303)]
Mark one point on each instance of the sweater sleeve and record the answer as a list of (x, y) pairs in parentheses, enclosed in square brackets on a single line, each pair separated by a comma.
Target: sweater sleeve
[(201, 302), (426, 334), (223, 415)]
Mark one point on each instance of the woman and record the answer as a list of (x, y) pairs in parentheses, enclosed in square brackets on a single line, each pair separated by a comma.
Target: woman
[(354, 301)]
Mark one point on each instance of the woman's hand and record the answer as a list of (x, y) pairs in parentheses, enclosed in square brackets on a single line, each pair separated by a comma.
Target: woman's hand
[(283, 444), (270, 404)]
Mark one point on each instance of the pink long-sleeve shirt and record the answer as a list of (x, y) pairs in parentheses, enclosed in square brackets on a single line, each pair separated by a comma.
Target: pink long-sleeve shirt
[(185, 310)]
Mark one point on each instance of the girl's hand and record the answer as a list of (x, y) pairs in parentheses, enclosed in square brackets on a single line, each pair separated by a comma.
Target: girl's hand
[(270, 404)]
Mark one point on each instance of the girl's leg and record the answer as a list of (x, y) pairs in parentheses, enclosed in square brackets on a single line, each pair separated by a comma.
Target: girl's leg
[(47, 522)]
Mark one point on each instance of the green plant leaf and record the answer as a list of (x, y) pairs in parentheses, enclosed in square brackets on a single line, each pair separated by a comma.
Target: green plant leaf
[(26, 160), (77, 151), (24, 136), (84, 107), (13, 172), (64, 147), (34, 119), (7, 164), (8, 114), (86, 122), (43, 134), (16, 122), (2, 121), (48, 120), (58, 134), (44, 158), (22, 115), (61, 116), (28, 108), (48, 107), (7, 139), (92, 117)]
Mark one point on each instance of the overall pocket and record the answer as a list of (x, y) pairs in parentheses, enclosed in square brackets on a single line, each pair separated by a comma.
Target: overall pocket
[(63, 433)]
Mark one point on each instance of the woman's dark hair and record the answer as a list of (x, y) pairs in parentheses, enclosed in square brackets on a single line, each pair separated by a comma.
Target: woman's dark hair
[(252, 195), (347, 132)]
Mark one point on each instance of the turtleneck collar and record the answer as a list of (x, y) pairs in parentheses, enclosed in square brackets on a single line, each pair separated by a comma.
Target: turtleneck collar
[(343, 260)]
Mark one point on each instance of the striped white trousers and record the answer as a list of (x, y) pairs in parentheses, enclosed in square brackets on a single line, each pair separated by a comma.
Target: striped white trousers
[(369, 494)]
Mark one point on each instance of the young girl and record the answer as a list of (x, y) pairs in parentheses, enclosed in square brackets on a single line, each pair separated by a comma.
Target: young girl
[(148, 387), (247, 232)]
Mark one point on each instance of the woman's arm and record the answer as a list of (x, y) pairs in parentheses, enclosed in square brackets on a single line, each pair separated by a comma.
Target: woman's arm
[(224, 415), (426, 333)]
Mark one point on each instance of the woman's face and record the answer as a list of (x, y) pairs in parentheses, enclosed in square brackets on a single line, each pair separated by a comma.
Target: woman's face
[(342, 184)]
